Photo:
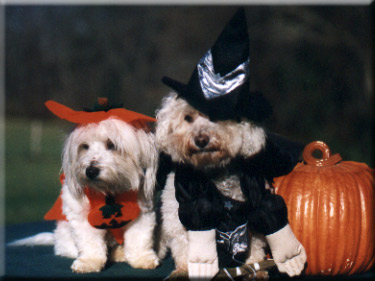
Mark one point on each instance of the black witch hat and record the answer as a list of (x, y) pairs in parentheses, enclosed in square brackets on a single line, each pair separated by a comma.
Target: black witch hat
[(219, 85)]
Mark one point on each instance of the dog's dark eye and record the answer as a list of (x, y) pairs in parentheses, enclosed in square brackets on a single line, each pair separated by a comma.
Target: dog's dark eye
[(85, 146), (188, 118), (110, 145)]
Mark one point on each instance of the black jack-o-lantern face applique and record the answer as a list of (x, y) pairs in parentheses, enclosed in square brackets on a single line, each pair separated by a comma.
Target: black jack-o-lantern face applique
[(112, 212), (106, 211)]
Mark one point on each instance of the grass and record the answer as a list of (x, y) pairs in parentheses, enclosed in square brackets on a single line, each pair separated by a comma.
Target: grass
[(31, 176)]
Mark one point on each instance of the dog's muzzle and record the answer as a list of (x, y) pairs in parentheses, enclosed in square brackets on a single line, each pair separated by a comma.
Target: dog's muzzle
[(92, 172), (201, 140)]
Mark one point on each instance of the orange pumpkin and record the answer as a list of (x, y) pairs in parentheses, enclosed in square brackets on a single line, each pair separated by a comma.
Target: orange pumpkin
[(331, 211)]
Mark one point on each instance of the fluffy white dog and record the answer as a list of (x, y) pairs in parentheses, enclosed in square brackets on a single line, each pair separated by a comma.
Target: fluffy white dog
[(108, 158), (221, 166), (191, 139)]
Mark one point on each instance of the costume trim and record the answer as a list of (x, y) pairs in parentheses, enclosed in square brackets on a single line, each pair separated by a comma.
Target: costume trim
[(213, 84), (236, 240), (83, 117)]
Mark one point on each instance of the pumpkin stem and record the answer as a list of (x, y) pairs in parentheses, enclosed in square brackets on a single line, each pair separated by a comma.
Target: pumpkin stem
[(326, 160), (103, 102)]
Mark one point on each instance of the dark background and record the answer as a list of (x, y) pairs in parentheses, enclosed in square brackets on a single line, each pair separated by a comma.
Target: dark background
[(313, 63)]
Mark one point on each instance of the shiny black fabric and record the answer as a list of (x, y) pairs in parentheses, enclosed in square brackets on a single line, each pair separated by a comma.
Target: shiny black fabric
[(200, 206), (230, 50), (233, 246), (203, 207)]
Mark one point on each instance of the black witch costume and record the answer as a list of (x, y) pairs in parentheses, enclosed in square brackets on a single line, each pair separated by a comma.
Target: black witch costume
[(203, 207), (219, 88)]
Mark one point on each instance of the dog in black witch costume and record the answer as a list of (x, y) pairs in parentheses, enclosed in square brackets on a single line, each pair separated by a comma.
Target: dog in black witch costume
[(217, 206)]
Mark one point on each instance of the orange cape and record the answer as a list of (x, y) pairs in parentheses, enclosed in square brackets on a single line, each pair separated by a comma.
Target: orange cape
[(106, 212)]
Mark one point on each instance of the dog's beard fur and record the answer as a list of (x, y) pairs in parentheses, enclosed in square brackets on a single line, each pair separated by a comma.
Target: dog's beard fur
[(114, 149), (179, 125)]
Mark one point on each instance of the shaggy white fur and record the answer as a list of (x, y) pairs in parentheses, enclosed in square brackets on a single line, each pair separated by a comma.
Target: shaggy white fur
[(190, 137), (178, 125), (126, 159)]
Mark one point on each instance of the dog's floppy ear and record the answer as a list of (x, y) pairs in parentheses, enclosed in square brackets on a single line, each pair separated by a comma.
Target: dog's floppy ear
[(163, 120), (68, 158), (254, 139), (149, 165)]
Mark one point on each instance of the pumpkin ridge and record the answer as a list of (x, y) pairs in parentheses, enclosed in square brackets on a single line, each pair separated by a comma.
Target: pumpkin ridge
[(342, 243), (372, 218), (357, 176), (320, 226), (333, 194), (362, 238), (356, 223), (357, 257), (297, 213), (315, 210), (339, 228), (367, 222), (323, 217), (334, 224)]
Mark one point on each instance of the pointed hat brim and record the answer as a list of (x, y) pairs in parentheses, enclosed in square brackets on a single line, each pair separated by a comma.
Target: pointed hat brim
[(174, 84)]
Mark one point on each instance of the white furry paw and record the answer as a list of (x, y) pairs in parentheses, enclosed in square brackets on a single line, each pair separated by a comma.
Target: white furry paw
[(178, 274), (203, 271), (87, 265), (288, 253), (147, 260), (118, 254), (202, 255), (293, 266)]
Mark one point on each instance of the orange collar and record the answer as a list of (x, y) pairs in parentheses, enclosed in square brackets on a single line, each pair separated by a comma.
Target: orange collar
[(106, 211)]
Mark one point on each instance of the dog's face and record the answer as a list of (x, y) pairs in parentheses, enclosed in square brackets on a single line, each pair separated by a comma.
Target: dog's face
[(190, 137), (107, 156)]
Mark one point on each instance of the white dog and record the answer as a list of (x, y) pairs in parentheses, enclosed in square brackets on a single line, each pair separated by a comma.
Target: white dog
[(110, 157), (210, 148), (221, 166)]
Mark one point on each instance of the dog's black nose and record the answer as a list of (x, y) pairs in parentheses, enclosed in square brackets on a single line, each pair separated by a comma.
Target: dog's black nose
[(201, 140), (92, 172)]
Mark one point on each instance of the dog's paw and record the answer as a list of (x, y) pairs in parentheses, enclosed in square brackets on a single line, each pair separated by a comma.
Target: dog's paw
[(87, 265), (147, 260), (178, 274), (118, 254), (262, 275)]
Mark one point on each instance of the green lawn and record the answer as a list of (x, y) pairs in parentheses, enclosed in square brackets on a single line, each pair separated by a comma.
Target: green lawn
[(32, 176)]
